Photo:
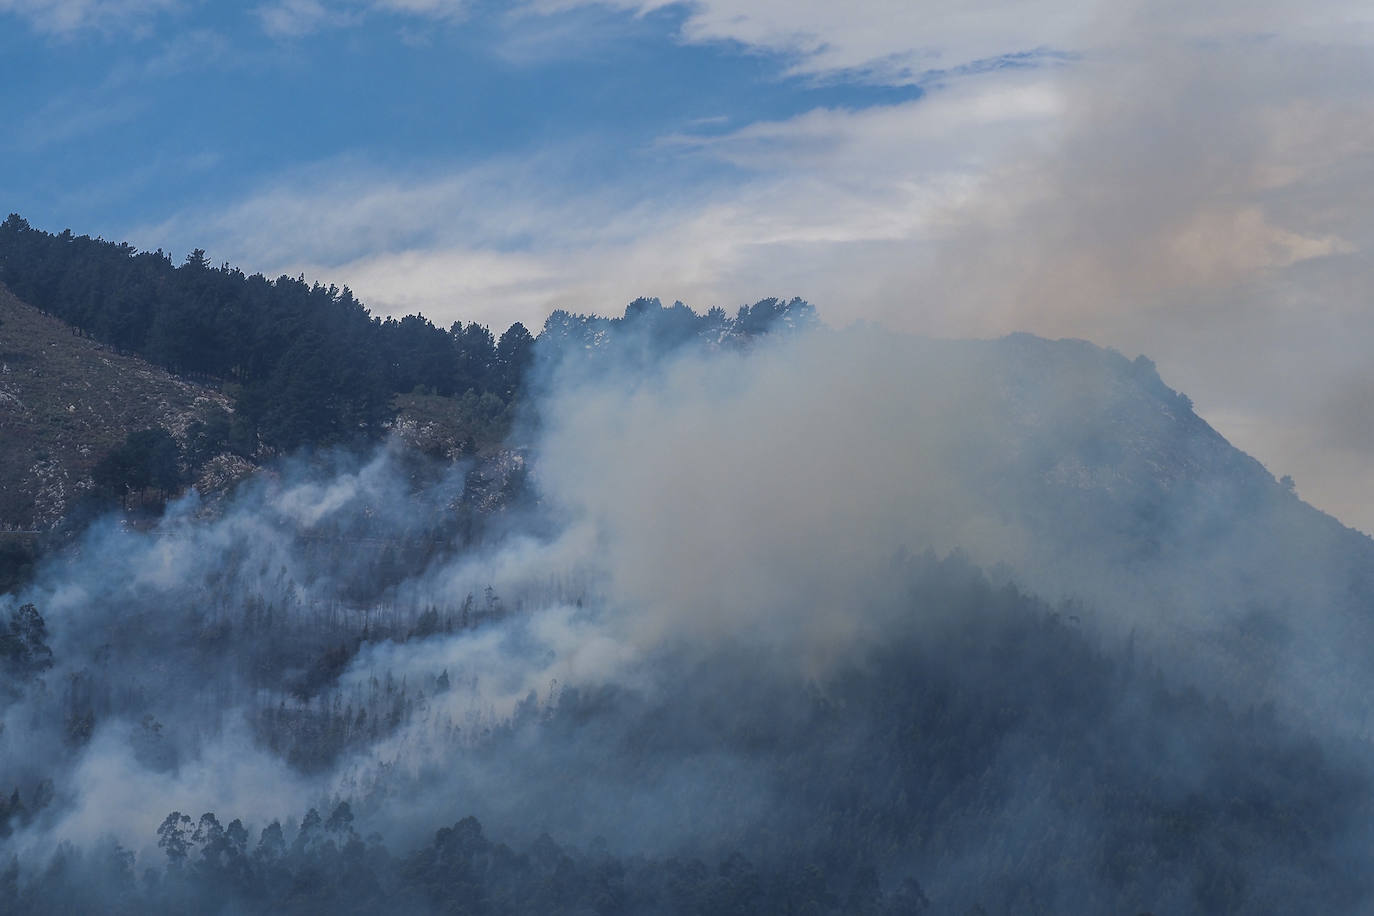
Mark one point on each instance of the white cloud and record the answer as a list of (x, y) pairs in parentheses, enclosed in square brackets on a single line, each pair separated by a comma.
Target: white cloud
[(436, 8), (888, 40), (294, 18), (896, 40), (65, 17), (518, 238)]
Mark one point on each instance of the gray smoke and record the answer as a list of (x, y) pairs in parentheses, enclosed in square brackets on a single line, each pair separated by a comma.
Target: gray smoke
[(738, 512)]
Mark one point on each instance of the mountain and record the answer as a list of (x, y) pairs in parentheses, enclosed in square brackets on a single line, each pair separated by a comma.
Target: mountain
[(1132, 501), (700, 614)]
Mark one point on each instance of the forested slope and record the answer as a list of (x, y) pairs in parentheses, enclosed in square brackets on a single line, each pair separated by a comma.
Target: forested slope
[(755, 616), (306, 364), (309, 363)]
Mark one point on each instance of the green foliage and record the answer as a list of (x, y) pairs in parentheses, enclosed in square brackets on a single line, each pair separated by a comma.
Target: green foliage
[(514, 355), (307, 364), (148, 459), (310, 365), (466, 425), (206, 438)]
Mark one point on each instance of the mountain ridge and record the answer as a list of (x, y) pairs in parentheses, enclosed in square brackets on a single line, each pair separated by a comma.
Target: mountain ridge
[(707, 615)]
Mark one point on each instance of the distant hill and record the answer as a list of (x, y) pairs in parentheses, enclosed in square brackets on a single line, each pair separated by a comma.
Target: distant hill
[(66, 401)]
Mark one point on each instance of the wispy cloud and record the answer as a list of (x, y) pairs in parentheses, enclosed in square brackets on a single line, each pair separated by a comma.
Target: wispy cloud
[(890, 41), (67, 17), (121, 96), (899, 41), (70, 118), (294, 18), (516, 237)]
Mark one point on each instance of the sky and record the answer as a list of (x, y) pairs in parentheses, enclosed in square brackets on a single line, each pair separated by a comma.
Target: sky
[(1194, 182)]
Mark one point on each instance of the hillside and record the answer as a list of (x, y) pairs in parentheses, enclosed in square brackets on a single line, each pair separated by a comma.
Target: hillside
[(65, 402), (312, 366), (1093, 481), (872, 623)]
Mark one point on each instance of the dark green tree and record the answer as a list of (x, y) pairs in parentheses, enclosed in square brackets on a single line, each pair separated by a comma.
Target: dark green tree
[(24, 644), (514, 355)]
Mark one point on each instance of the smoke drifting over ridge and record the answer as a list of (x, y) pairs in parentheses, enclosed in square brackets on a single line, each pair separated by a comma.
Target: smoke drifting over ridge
[(1187, 181), (1201, 193), (720, 529)]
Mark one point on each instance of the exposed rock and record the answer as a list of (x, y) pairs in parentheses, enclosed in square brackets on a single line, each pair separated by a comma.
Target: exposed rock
[(65, 402)]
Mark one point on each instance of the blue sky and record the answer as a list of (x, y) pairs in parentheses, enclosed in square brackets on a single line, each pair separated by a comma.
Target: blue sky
[(1191, 181), (119, 124), (458, 157)]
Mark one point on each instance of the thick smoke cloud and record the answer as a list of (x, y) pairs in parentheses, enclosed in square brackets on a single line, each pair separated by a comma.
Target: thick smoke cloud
[(708, 538)]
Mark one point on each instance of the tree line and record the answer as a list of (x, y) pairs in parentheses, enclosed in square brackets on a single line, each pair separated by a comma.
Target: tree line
[(308, 364), (326, 865)]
